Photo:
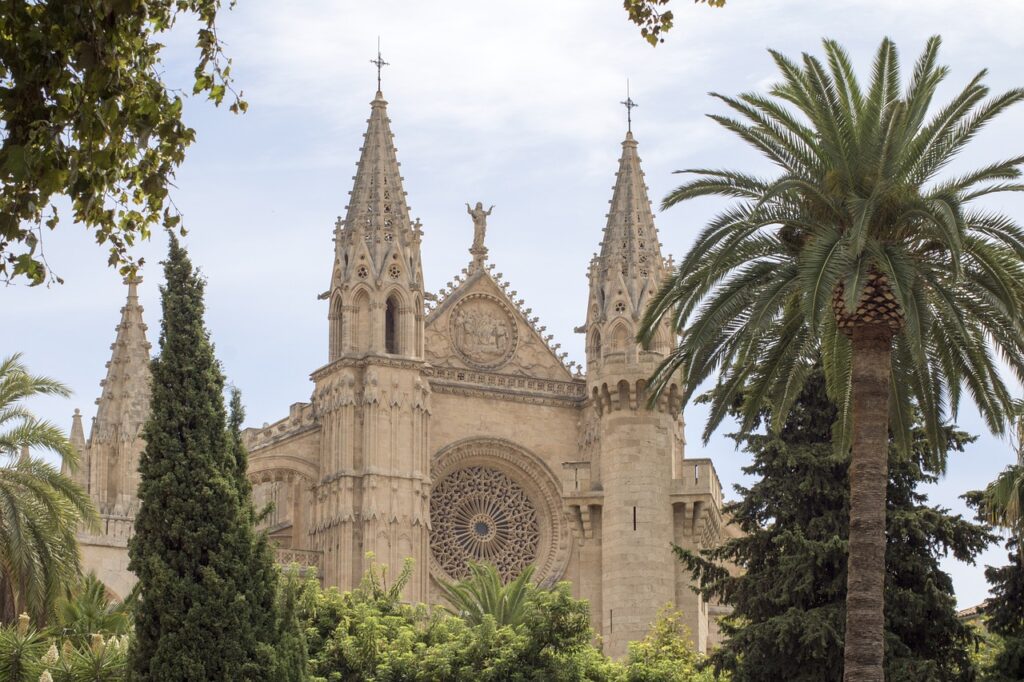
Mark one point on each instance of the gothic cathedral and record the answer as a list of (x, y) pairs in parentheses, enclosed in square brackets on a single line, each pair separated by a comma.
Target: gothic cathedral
[(448, 428)]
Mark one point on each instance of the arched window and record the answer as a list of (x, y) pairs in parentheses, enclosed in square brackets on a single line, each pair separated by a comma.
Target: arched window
[(391, 328), (335, 349), (620, 338), (360, 329), (595, 344)]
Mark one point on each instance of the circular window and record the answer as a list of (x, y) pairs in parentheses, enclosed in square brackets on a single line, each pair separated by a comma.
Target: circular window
[(620, 307), (482, 515), (362, 272), (495, 503), (394, 272)]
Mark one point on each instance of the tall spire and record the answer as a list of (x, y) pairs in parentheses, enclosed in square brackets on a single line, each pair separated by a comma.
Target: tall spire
[(124, 400), (377, 214), (376, 292), (122, 408), (630, 265)]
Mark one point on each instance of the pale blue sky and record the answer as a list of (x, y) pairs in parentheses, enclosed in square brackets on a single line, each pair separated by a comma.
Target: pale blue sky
[(510, 103)]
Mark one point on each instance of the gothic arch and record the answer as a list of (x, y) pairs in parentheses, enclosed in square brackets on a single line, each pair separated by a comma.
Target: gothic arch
[(359, 329), (392, 325), (620, 337), (335, 317), (494, 500)]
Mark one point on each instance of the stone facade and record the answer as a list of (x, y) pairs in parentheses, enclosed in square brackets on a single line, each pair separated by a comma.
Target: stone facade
[(448, 427)]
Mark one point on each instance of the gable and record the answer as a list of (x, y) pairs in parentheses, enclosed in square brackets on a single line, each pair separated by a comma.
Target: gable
[(478, 327)]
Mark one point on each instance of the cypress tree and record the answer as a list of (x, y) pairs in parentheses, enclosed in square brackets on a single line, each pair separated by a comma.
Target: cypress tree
[(206, 583), (788, 604)]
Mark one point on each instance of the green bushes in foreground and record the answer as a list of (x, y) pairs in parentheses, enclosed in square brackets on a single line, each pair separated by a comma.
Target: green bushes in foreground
[(370, 635)]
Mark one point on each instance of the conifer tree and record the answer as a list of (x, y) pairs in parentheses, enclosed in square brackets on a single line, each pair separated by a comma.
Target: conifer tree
[(206, 584), (1004, 615), (789, 602)]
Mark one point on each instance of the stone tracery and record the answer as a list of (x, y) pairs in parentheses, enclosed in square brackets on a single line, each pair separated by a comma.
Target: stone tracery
[(480, 514)]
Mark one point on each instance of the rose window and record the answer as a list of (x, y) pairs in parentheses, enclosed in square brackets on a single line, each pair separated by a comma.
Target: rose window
[(481, 515), (394, 272), (362, 272)]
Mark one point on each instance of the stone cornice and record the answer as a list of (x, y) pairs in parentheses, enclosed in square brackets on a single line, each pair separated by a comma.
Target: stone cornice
[(506, 386), (368, 359)]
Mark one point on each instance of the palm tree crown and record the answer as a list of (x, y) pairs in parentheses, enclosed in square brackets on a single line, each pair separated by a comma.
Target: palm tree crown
[(484, 593), (857, 199), (858, 254), (40, 509)]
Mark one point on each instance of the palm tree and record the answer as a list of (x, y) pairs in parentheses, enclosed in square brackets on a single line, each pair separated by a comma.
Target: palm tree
[(1003, 499), (90, 610), (40, 509), (484, 593), (858, 252)]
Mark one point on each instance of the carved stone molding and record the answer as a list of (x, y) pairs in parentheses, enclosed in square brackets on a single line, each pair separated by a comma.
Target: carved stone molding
[(497, 502)]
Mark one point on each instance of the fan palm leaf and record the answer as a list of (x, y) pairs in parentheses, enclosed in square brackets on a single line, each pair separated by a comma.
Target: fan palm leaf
[(484, 593)]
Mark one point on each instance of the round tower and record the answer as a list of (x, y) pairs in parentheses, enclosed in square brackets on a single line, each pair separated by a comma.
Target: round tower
[(639, 446)]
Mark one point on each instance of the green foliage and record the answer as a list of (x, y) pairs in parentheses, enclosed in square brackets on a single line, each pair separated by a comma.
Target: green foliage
[(858, 190), (666, 655), (86, 115), (484, 593), (370, 634), (206, 596), (41, 509), (789, 599), (21, 647), (89, 610), (1004, 615), (1004, 499), (653, 20)]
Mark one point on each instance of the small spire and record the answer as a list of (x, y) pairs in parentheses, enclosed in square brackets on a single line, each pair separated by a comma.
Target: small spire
[(379, 63), (78, 443), (630, 105)]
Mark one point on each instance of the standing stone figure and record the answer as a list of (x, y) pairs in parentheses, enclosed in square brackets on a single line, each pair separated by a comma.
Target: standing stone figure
[(479, 216)]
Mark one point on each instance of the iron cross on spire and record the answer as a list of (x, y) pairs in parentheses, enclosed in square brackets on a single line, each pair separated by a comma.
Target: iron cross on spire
[(379, 63), (629, 104)]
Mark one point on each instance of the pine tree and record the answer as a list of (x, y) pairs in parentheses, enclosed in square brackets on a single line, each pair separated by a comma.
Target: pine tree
[(206, 582), (789, 602), (1004, 615)]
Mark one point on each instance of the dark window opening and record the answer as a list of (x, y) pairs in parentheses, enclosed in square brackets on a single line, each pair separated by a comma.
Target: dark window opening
[(634, 518), (391, 327)]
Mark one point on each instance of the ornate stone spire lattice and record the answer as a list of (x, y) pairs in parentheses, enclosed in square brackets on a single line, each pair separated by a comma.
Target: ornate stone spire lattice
[(377, 230), (122, 409), (630, 264)]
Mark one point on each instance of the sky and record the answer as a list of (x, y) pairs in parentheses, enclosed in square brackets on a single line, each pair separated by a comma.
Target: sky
[(515, 104)]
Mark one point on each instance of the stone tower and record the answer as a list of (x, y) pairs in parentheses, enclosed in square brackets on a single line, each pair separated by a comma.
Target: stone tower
[(109, 462), (371, 399), (637, 447)]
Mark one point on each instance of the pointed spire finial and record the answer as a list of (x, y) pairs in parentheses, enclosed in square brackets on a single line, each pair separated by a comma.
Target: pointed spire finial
[(379, 63), (629, 104)]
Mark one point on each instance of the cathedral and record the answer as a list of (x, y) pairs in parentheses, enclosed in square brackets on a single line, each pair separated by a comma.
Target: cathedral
[(447, 427)]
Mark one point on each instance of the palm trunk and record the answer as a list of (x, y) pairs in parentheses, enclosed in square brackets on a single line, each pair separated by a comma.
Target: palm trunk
[(865, 585)]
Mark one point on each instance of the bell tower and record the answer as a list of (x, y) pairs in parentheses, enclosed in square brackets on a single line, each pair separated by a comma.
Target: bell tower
[(637, 446), (371, 398)]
